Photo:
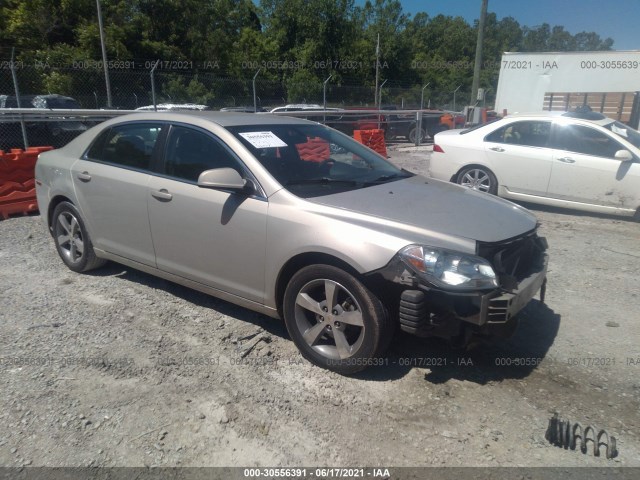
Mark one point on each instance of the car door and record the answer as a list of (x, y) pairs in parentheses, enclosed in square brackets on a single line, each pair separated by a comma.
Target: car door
[(585, 170), (111, 183), (519, 155), (211, 236)]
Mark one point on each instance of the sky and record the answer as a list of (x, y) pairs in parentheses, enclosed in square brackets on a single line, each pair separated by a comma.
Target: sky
[(617, 19)]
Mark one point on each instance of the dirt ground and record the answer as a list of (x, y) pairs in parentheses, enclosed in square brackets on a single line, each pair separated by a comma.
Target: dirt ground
[(118, 368)]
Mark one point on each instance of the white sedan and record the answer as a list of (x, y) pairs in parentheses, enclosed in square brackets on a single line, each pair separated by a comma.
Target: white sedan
[(584, 161)]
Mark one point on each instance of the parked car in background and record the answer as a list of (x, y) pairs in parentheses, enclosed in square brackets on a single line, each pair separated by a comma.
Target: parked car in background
[(580, 160), (54, 101), (406, 125), (296, 220), (300, 107), (245, 109), (54, 130), (11, 132), (175, 107)]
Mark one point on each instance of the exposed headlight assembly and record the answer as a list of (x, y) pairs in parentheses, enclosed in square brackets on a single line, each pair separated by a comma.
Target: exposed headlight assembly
[(448, 269)]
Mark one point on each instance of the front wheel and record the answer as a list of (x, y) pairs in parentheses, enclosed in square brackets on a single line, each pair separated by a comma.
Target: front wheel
[(478, 178), (334, 320), (72, 240)]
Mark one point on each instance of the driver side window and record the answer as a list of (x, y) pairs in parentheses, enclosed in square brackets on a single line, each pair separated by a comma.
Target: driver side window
[(586, 140), (190, 152)]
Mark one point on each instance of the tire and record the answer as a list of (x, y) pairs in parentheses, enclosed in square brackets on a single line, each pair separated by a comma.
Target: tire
[(72, 240), (389, 136), (413, 134), (478, 178), (357, 314)]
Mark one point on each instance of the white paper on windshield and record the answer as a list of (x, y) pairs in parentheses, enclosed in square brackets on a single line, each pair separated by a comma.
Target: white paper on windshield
[(263, 139), (620, 131)]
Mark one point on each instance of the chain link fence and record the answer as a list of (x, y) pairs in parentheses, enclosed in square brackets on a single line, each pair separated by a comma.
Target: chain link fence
[(82, 85)]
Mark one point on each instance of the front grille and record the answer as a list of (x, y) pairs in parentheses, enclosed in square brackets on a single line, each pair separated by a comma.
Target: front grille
[(498, 310), (514, 259)]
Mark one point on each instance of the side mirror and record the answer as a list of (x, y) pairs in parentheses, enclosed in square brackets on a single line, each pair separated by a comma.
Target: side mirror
[(224, 179), (623, 155)]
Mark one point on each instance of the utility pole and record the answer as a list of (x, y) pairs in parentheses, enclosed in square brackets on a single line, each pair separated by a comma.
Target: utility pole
[(375, 95), (478, 64), (104, 54)]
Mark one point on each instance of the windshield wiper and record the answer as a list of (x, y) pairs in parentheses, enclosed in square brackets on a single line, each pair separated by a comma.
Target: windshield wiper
[(386, 178), (321, 181)]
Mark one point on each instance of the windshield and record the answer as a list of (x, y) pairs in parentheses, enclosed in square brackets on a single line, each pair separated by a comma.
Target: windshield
[(313, 160), (629, 134)]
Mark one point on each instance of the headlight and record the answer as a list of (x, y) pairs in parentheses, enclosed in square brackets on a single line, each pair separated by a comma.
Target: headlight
[(448, 269)]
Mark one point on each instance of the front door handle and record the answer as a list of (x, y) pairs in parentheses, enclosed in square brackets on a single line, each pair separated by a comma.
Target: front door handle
[(84, 177), (566, 160), (162, 195), (497, 149)]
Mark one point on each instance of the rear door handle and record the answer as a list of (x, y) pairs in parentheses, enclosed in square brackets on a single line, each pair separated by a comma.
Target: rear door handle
[(84, 177), (566, 160), (497, 149), (162, 195)]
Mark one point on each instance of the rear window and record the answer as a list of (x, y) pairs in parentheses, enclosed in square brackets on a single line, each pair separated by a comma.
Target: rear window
[(129, 145)]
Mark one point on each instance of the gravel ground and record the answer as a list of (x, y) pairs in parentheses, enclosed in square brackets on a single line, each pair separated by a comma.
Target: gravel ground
[(118, 368)]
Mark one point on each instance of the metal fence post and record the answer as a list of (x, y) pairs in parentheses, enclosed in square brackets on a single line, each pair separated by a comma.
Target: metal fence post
[(15, 87), (324, 97), (380, 101), (255, 102), (419, 137), (153, 85), (104, 55)]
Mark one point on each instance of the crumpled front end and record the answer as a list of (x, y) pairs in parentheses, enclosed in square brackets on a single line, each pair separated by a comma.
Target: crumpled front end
[(426, 309)]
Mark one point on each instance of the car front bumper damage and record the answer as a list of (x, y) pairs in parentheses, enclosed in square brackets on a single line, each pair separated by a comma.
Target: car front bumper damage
[(425, 310)]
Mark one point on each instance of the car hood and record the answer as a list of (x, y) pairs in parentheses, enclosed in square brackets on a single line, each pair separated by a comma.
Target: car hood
[(440, 207)]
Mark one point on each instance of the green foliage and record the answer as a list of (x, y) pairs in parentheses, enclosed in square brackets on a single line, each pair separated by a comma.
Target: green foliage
[(303, 86), (177, 90), (56, 82), (295, 43)]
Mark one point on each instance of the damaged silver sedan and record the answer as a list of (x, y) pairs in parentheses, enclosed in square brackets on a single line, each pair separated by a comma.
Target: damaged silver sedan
[(294, 220)]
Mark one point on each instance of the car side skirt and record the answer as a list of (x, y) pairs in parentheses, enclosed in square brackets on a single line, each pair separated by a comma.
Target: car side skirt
[(214, 292), (555, 202)]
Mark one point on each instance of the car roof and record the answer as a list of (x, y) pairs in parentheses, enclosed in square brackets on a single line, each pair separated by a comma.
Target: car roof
[(602, 120), (224, 119)]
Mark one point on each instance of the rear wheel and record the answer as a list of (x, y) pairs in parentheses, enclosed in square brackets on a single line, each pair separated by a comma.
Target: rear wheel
[(334, 320), (72, 240), (478, 178)]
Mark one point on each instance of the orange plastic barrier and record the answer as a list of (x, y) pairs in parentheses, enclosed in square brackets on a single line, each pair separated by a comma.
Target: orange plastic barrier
[(17, 183), (374, 139), (315, 149)]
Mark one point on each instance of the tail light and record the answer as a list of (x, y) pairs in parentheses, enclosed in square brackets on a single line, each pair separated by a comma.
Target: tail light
[(437, 148)]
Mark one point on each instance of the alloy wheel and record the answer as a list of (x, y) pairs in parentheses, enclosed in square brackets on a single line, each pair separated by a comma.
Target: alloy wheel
[(329, 319)]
